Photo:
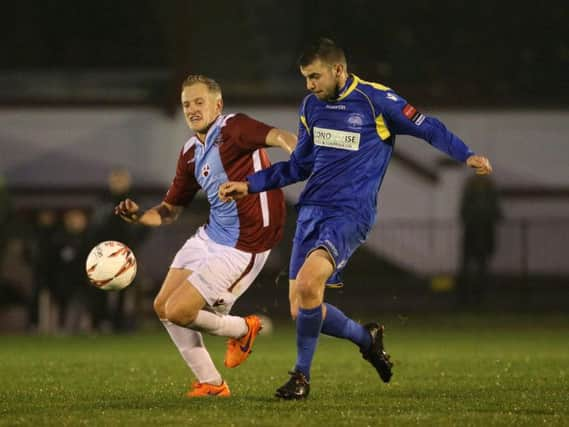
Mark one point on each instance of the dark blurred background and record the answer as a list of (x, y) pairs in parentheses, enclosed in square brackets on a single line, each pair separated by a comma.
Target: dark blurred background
[(89, 96), (445, 53)]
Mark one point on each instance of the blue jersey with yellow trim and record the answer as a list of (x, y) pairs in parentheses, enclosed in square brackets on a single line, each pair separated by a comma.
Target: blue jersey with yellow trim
[(344, 147)]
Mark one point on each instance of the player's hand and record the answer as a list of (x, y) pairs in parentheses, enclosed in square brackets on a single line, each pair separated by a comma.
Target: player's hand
[(233, 190), (127, 210), (480, 163)]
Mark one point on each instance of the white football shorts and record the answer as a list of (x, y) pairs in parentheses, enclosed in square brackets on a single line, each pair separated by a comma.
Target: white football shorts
[(220, 273)]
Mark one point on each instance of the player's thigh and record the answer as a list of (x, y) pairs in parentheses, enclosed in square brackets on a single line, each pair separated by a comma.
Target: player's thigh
[(313, 274), (183, 304), (173, 280)]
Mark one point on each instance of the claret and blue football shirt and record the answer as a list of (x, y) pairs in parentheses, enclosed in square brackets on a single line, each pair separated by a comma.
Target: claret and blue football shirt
[(233, 148)]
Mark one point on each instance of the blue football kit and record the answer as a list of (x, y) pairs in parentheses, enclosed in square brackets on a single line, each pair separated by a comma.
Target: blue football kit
[(344, 148)]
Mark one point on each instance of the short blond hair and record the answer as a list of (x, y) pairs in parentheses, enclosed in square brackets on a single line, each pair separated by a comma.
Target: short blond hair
[(211, 84)]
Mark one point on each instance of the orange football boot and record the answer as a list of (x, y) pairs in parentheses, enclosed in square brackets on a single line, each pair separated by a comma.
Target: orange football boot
[(209, 390), (239, 349)]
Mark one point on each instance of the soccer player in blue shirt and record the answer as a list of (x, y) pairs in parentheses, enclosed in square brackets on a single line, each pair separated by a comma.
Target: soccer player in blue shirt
[(345, 141)]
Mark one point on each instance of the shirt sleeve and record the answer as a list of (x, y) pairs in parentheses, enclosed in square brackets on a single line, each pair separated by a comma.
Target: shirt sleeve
[(297, 168), (252, 134), (404, 119), (184, 185)]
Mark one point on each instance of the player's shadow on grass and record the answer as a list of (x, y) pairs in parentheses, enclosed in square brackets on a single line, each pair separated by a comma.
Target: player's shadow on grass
[(272, 399)]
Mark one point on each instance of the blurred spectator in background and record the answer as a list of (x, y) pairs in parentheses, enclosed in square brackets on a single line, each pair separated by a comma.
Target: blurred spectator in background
[(72, 293), (44, 259), (480, 212), (117, 307), (11, 247), (5, 214)]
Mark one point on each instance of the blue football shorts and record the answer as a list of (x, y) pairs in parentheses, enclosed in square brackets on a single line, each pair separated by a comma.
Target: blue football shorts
[(337, 231)]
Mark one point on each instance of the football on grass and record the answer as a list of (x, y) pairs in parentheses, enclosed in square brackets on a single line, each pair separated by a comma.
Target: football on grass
[(111, 266)]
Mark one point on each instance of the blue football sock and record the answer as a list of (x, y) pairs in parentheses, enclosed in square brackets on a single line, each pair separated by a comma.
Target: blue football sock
[(337, 324), (308, 324)]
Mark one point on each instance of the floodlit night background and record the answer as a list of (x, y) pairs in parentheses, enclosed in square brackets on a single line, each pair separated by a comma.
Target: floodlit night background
[(91, 88)]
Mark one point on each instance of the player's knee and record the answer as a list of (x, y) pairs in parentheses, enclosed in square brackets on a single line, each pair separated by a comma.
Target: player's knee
[(178, 314), (160, 307), (308, 289)]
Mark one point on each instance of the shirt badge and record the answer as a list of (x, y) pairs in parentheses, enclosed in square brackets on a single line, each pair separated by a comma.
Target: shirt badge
[(355, 121)]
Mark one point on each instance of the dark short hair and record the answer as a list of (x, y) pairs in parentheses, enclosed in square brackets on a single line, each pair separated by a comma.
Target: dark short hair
[(211, 84), (324, 49)]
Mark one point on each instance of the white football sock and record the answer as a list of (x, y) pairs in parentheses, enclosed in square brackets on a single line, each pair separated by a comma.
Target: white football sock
[(191, 347), (222, 325)]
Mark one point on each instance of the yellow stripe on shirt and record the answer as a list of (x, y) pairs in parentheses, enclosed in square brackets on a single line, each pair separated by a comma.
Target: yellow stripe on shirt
[(303, 121), (378, 86), (381, 128)]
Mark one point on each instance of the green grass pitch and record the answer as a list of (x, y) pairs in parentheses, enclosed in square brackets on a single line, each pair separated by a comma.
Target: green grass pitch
[(459, 370)]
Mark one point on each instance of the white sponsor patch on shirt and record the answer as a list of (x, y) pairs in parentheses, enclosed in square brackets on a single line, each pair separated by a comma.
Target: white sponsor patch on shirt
[(336, 139)]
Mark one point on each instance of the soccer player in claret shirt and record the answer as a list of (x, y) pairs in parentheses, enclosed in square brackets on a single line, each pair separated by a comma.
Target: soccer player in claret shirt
[(221, 260), (346, 136)]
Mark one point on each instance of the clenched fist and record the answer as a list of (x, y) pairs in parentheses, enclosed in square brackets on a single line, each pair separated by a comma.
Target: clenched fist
[(481, 164), (127, 210), (233, 190)]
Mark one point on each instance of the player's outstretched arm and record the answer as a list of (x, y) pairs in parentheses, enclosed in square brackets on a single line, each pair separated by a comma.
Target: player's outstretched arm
[(164, 213), (280, 174), (480, 163), (281, 138), (233, 190), (404, 119)]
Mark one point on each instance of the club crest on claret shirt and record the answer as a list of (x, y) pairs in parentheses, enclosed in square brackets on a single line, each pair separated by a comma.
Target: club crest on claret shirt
[(219, 140)]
